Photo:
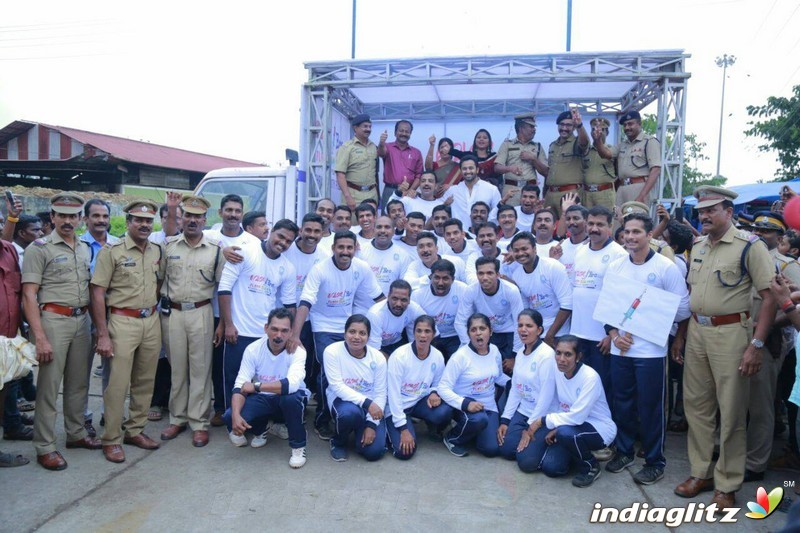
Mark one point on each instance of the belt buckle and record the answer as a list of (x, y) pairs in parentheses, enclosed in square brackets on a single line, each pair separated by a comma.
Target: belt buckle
[(364, 188), (591, 188), (704, 320), (144, 313), (187, 306), (76, 311)]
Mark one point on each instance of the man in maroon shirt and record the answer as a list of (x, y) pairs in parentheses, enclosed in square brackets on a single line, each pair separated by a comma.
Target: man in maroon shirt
[(402, 163)]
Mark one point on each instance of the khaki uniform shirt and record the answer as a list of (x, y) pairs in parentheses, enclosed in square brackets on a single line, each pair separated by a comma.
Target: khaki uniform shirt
[(596, 170), (192, 271), (660, 247), (635, 159), (711, 266), (61, 272), (565, 159), (358, 162), (130, 276), (789, 267), (509, 155)]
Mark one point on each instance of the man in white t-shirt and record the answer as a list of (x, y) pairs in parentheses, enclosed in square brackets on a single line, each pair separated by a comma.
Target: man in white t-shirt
[(384, 256), (304, 253), (529, 201), (440, 299), (365, 214), (392, 321), (544, 285), (574, 218), (479, 214), (248, 291), (331, 288), (441, 214), (419, 271), (544, 226), (591, 262), (456, 240), (415, 224), (424, 201), (638, 366), (486, 237), (507, 220), (396, 211), (342, 216)]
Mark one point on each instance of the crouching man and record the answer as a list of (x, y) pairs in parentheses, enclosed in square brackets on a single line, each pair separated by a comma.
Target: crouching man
[(270, 388)]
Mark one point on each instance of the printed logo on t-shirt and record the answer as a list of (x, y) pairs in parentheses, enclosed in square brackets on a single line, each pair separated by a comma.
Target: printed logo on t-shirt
[(339, 298), (606, 258), (533, 366), (455, 299), (358, 384), (525, 390), (586, 279), (482, 385), (540, 301), (372, 365), (414, 389), (651, 278), (396, 257)]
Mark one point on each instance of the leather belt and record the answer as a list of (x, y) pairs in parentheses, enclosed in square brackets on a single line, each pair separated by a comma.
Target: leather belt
[(65, 310), (594, 187), (562, 188), (720, 320), (362, 188), (633, 181), (188, 306), (133, 313)]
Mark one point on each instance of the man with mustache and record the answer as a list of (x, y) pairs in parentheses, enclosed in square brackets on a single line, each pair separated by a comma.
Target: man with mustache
[(419, 271), (415, 224), (402, 163), (544, 226), (97, 217), (575, 220), (456, 239), (55, 297), (521, 158), (387, 259), (125, 285), (565, 158), (194, 266), (392, 320), (478, 214), (356, 164), (440, 299), (487, 239), (424, 201), (471, 190)]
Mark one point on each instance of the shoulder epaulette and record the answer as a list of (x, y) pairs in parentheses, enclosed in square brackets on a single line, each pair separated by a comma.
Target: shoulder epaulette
[(700, 239), (172, 238), (746, 236), (113, 244)]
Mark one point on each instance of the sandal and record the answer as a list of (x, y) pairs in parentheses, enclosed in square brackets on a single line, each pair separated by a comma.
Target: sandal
[(7, 460), (154, 415), (678, 426)]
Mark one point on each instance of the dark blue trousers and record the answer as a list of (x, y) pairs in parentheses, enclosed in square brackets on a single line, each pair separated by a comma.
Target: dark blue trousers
[(573, 443), (438, 417), (447, 345), (321, 341), (288, 409), (350, 418), (480, 427), (231, 361), (601, 364)]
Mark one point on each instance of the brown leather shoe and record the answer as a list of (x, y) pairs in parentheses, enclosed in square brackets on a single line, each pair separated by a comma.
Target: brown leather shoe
[(199, 438), (141, 441), (172, 431), (114, 453), (724, 500), (52, 461), (694, 486), (217, 420), (86, 442)]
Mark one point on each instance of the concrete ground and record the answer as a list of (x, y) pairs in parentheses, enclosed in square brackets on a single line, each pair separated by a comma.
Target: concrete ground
[(220, 487)]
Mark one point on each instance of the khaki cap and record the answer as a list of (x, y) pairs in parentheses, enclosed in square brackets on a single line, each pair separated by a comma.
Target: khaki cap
[(708, 195), (196, 205), (634, 207), (527, 118), (141, 208), (66, 203)]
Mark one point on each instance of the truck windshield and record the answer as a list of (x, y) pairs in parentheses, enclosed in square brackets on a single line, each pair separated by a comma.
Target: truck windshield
[(252, 191)]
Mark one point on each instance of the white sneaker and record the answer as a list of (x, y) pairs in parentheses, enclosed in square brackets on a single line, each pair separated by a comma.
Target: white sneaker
[(259, 441), (279, 430), (298, 457), (237, 440)]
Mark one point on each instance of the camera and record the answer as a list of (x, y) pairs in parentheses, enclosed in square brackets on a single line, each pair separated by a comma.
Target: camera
[(166, 305)]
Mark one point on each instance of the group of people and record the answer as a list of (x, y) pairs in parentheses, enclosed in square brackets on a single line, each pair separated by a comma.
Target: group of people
[(486, 334)]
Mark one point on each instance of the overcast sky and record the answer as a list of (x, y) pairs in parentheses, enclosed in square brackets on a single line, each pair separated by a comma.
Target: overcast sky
[(225, 77)]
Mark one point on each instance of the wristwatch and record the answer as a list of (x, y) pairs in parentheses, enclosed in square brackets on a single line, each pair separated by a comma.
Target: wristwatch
[(257, 384), (757, 343)]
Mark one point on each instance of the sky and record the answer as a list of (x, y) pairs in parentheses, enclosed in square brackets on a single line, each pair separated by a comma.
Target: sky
[(225, 78)]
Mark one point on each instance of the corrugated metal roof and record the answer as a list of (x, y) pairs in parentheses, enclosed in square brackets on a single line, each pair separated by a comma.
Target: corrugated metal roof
[(134, 151)]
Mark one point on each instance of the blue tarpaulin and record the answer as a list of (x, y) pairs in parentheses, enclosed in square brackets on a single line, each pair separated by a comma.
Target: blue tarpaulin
[(768, 192)]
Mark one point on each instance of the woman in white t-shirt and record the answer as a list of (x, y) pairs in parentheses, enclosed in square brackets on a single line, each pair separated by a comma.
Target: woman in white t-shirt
[(356, 392), (468, 386), (578, 424)]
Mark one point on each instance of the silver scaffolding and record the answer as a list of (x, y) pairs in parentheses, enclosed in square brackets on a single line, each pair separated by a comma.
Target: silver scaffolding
[(468, 87)]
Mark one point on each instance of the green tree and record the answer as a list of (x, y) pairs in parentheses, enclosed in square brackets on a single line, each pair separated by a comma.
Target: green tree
[(779, 127), (693, 153)]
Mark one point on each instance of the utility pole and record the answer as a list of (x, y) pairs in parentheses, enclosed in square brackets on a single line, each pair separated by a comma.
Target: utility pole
[(725, 61), (353, 34), (569, 25)]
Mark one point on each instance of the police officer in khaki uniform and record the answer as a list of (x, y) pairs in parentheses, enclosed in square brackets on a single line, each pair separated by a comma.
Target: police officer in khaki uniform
[(193, 269), (722, 351), (126, 281), (565, 159), (356, 165), (638, 160), (520, 158), (55, 290), (658, 246), (599, 175), (770, 227)]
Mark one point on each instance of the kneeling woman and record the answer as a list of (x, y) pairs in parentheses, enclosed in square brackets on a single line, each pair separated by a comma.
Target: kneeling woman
[(356, 392), (468, 386), (581, 423), (532, 391)]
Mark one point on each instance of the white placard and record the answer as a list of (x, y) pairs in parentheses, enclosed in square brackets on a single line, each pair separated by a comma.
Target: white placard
[(641, 309)]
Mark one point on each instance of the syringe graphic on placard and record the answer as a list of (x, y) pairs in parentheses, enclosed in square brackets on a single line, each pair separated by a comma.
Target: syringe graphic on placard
[(632, 308)]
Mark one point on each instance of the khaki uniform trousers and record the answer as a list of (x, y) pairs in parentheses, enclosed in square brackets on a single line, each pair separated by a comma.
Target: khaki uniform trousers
[(137, 344), (71, 340), (358, 197), (188, 336), (760, 429), (605, 198), (711, 381), (628, 193), (553, 199)]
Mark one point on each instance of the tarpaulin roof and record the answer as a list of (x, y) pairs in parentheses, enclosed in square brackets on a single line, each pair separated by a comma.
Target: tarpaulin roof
[(754, 191)]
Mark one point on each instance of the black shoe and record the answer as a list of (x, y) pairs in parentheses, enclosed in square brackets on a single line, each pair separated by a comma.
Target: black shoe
[(324, 432), (90, 430), (619, 463), (21, 433), (749, 476), (584, 480), (103, 420), (27, 420), (648, 475)]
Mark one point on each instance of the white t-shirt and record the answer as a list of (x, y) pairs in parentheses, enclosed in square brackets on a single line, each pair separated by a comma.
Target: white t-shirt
[(470, 248), (419, 204), (260, 364), (240, 240), (409, 249), (582, 399), (417, 274), (410, 379), (533, 385), (387, 265), (443, 309), (659, 272), (332, 292), (502, 308), (463, 199), (506, 269), (524, 222), (473, 376), (543, 250), (547, 289), (303, 263), (387, 329), (257, 285), (504, 242), (568, 256), (590, 267), (355, 380)]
